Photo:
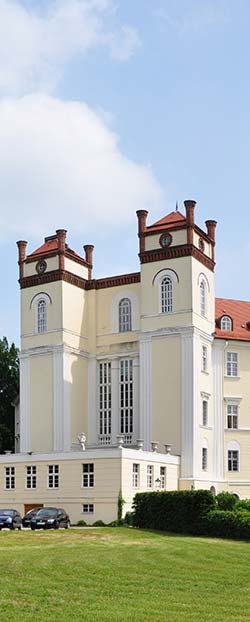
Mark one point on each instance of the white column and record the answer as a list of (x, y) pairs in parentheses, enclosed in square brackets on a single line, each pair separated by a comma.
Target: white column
[(115, 391), (145, 428), (187, 400), (218, 371), (57, 399), (92, 401), (24, 403), (136, 380)]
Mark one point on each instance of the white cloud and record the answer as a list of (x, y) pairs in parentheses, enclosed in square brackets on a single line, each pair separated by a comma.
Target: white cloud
[(36, 45), (194, 16), (61, 166)]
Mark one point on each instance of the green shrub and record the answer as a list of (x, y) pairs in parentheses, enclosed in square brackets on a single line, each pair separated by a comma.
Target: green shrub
[(99, 523), (176, 511), (81, 523), (242, 505), (226, 524), (226, 501), (129, 519), (120, 504)]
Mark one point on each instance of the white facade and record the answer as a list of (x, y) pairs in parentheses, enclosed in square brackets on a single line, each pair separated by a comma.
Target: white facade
[(142, 361)]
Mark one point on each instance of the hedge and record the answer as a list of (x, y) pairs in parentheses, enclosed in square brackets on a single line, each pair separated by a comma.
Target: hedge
[(176, 511), (226, 524)]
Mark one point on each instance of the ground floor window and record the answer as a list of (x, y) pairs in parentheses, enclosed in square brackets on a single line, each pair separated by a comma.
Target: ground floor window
[(53, 476), (150, 470), (135, 479), (88, 508), (31, 476), (10, 478), (163, 477)]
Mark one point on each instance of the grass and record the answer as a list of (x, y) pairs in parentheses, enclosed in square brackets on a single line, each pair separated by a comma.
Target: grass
[(127, 575)]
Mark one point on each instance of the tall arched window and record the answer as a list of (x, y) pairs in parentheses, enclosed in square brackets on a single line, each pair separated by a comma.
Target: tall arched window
[(41, 316), (125, 323), (203, 298), (166, 295)]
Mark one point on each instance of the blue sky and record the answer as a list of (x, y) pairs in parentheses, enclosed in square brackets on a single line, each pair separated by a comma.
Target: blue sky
[(111, 106)]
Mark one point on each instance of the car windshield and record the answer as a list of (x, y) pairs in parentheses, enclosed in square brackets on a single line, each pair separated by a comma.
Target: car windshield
[(7, 512), (46, 512), (30, 512)]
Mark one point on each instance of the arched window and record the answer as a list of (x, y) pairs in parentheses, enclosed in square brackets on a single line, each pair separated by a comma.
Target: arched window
[(203, 298), (226, 323), (125, 315), (166, 295), (41, 316)]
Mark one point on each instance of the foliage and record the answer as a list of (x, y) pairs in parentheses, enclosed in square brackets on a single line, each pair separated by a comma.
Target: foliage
[(108, 575), (226, 501), (120, 504), (129, 519), (228, 524), (176, 511), (81, 523), (243, 505), (99, 523), (9, 388)]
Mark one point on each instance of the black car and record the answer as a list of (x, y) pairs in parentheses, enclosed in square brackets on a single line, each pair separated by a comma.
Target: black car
[(50, 518), (26, 521), (10, 519)]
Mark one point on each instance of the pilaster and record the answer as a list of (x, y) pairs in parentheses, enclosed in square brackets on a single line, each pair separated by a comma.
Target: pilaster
[(145, 426), (218, 367), (24, 404), (92, 401)]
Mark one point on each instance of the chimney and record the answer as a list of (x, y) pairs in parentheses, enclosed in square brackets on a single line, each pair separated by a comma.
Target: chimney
[(21, 256), (211, 226), (190, 205), (89, 258), (61, 236), (142, 219)]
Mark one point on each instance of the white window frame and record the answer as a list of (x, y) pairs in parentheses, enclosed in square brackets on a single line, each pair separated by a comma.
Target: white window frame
[(150, 476), (204, 358), (163, 477), (126, 399), (232, 416), (42, 320), (114, 310), (88, 508), (9, 478), (31, 477), (232, 364), (166, 295), (104, 403), (136, 475), (38, 298), (88, 475), (53, 476), (226, 323), (125, 315), (233, 458), (203, 298)]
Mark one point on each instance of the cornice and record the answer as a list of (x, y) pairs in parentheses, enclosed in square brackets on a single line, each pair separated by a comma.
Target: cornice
[(183, 250), (114, 281), (52, 276)]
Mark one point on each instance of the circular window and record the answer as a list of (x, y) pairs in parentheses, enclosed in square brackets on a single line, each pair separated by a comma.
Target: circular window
[(165, 240), (41, 266)]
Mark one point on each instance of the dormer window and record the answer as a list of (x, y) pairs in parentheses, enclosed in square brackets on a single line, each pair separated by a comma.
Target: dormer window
[(42, 316), (226, 323)]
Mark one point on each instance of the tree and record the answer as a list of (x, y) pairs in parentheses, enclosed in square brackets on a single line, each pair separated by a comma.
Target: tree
[(9, 389)]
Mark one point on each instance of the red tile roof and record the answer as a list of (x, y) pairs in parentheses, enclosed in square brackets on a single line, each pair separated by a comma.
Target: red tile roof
[(170, 220), (51, 246), (239, 312)]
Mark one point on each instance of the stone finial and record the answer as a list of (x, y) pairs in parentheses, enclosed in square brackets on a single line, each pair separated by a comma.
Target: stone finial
[(82, 440)]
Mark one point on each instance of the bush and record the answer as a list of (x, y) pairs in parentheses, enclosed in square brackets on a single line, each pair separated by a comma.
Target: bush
[(176, 511), (226, 524), (81, 523), (226, 501), (129, 519), (99, 523), (242, 505)]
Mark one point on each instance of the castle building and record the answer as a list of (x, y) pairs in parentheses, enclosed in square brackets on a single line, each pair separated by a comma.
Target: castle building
[(133, 382)]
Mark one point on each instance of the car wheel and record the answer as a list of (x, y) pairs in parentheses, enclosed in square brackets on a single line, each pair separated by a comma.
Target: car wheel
[(33, 528), (67, 525), (57, 524), (19, 527)]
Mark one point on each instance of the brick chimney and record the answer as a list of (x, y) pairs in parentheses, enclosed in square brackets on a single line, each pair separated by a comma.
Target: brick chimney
[(61, 236), (142, 219), (189, 206), (211, 226), (89, 258), (21, 256)]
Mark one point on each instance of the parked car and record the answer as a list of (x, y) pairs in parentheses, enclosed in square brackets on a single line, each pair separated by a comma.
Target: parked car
[(50, 518), (10, 519), (26, 521)]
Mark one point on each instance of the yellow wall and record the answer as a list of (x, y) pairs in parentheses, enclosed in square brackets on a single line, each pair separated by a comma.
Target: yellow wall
[(166, 378), (41, 403)]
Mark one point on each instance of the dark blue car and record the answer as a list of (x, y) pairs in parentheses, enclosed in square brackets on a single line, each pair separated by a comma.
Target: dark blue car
[(10, 519)]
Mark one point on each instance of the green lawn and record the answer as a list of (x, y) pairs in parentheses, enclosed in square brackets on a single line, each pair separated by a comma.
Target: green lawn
[(113, 575)]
